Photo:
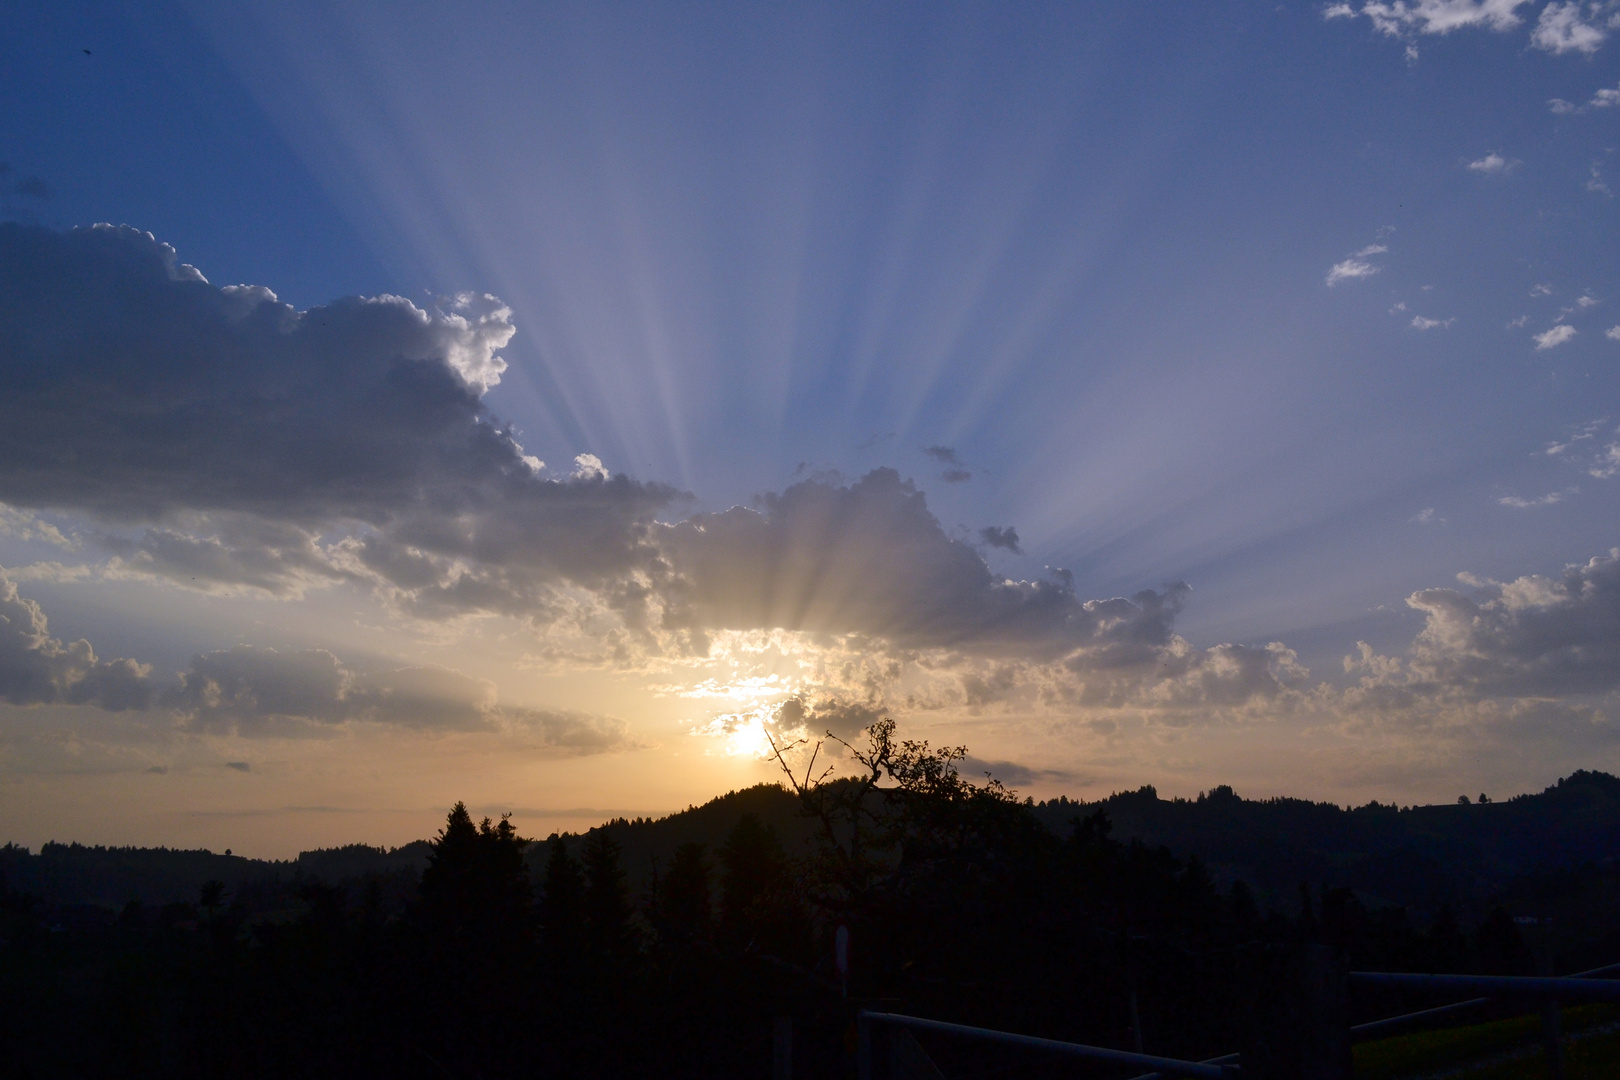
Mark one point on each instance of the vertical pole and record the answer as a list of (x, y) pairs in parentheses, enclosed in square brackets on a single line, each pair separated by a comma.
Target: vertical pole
[(864, 1051), (782, 1049), (1552, 1019), (1136, 1023)]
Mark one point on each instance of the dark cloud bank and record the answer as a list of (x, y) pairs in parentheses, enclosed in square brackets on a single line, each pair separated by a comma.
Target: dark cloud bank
[(220, 438)]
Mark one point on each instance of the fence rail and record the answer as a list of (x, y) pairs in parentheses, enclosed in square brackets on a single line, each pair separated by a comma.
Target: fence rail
[(1581, 986), (1564, 988), (1163, 1066)]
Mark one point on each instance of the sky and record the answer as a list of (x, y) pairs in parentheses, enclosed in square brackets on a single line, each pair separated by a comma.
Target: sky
[(549, 406)]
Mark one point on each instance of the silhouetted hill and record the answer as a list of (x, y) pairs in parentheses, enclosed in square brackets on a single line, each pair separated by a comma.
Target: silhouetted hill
[(1421, 857), (64, 875), (646, 843)]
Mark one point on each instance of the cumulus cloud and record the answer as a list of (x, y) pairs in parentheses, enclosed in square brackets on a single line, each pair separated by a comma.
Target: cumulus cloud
[(1554, 337), (1606, 98), (1350, 269), (1564, 28), (1531, 636), (263, 447), (38, 669), (1612, 333), (1490, 163), (1606, 465), (871, 559), (1421, 323), (1400, 18)]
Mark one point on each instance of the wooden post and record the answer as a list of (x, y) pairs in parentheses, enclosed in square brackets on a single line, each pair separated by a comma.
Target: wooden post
[(782, 1049), (1552, 1020)]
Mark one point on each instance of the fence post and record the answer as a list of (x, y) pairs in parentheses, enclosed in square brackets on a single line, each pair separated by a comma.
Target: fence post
[(782, 1049), (1552, 1019), (864, 1051)]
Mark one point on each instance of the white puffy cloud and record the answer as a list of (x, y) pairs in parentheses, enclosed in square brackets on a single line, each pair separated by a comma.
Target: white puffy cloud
[(1421, 323), (1490, 163), (1606, 465), (1400, 18), (1554, 337), (1612, 333), (1563, 28), (1350, 269), (1533, 636)]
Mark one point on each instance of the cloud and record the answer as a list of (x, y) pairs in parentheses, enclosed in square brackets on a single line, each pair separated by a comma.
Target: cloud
[(227, 441), (239, 766), (1421, 323), (1426, 516), (1607, 98), (26, 526), (1399, 18), (1607, 463), (870, 559), (1552, 498), (1541, 290), (1554, 337), (1560, 106), (997, 537), (587, 467), (252, 691), (956, 476), (1349, 269), (945, 455), (1562, 29), (1612, 333), (1531, 636), (1491, 163), (37, 669)]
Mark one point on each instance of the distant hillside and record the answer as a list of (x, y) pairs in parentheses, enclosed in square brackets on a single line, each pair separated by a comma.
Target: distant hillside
[(1418, 857), (109, 877)]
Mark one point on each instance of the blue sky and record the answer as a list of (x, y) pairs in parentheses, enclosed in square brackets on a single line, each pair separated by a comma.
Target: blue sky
[(1306, 307)]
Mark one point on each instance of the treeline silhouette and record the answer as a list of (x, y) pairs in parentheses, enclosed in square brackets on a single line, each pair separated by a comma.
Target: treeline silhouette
[(505, 956)]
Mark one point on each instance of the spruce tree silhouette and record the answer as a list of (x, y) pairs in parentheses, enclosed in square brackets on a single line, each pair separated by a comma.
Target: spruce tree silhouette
[(562, 908), (477, 910), (475, 886), (754, 880), (608, 929), (683, 909)]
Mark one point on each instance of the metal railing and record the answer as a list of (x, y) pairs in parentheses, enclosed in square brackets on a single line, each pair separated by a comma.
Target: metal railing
[(1581, 986), (869, 1038)]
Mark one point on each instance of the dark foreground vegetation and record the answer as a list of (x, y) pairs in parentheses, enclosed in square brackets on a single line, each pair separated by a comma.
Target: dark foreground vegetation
[(669, 948)]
